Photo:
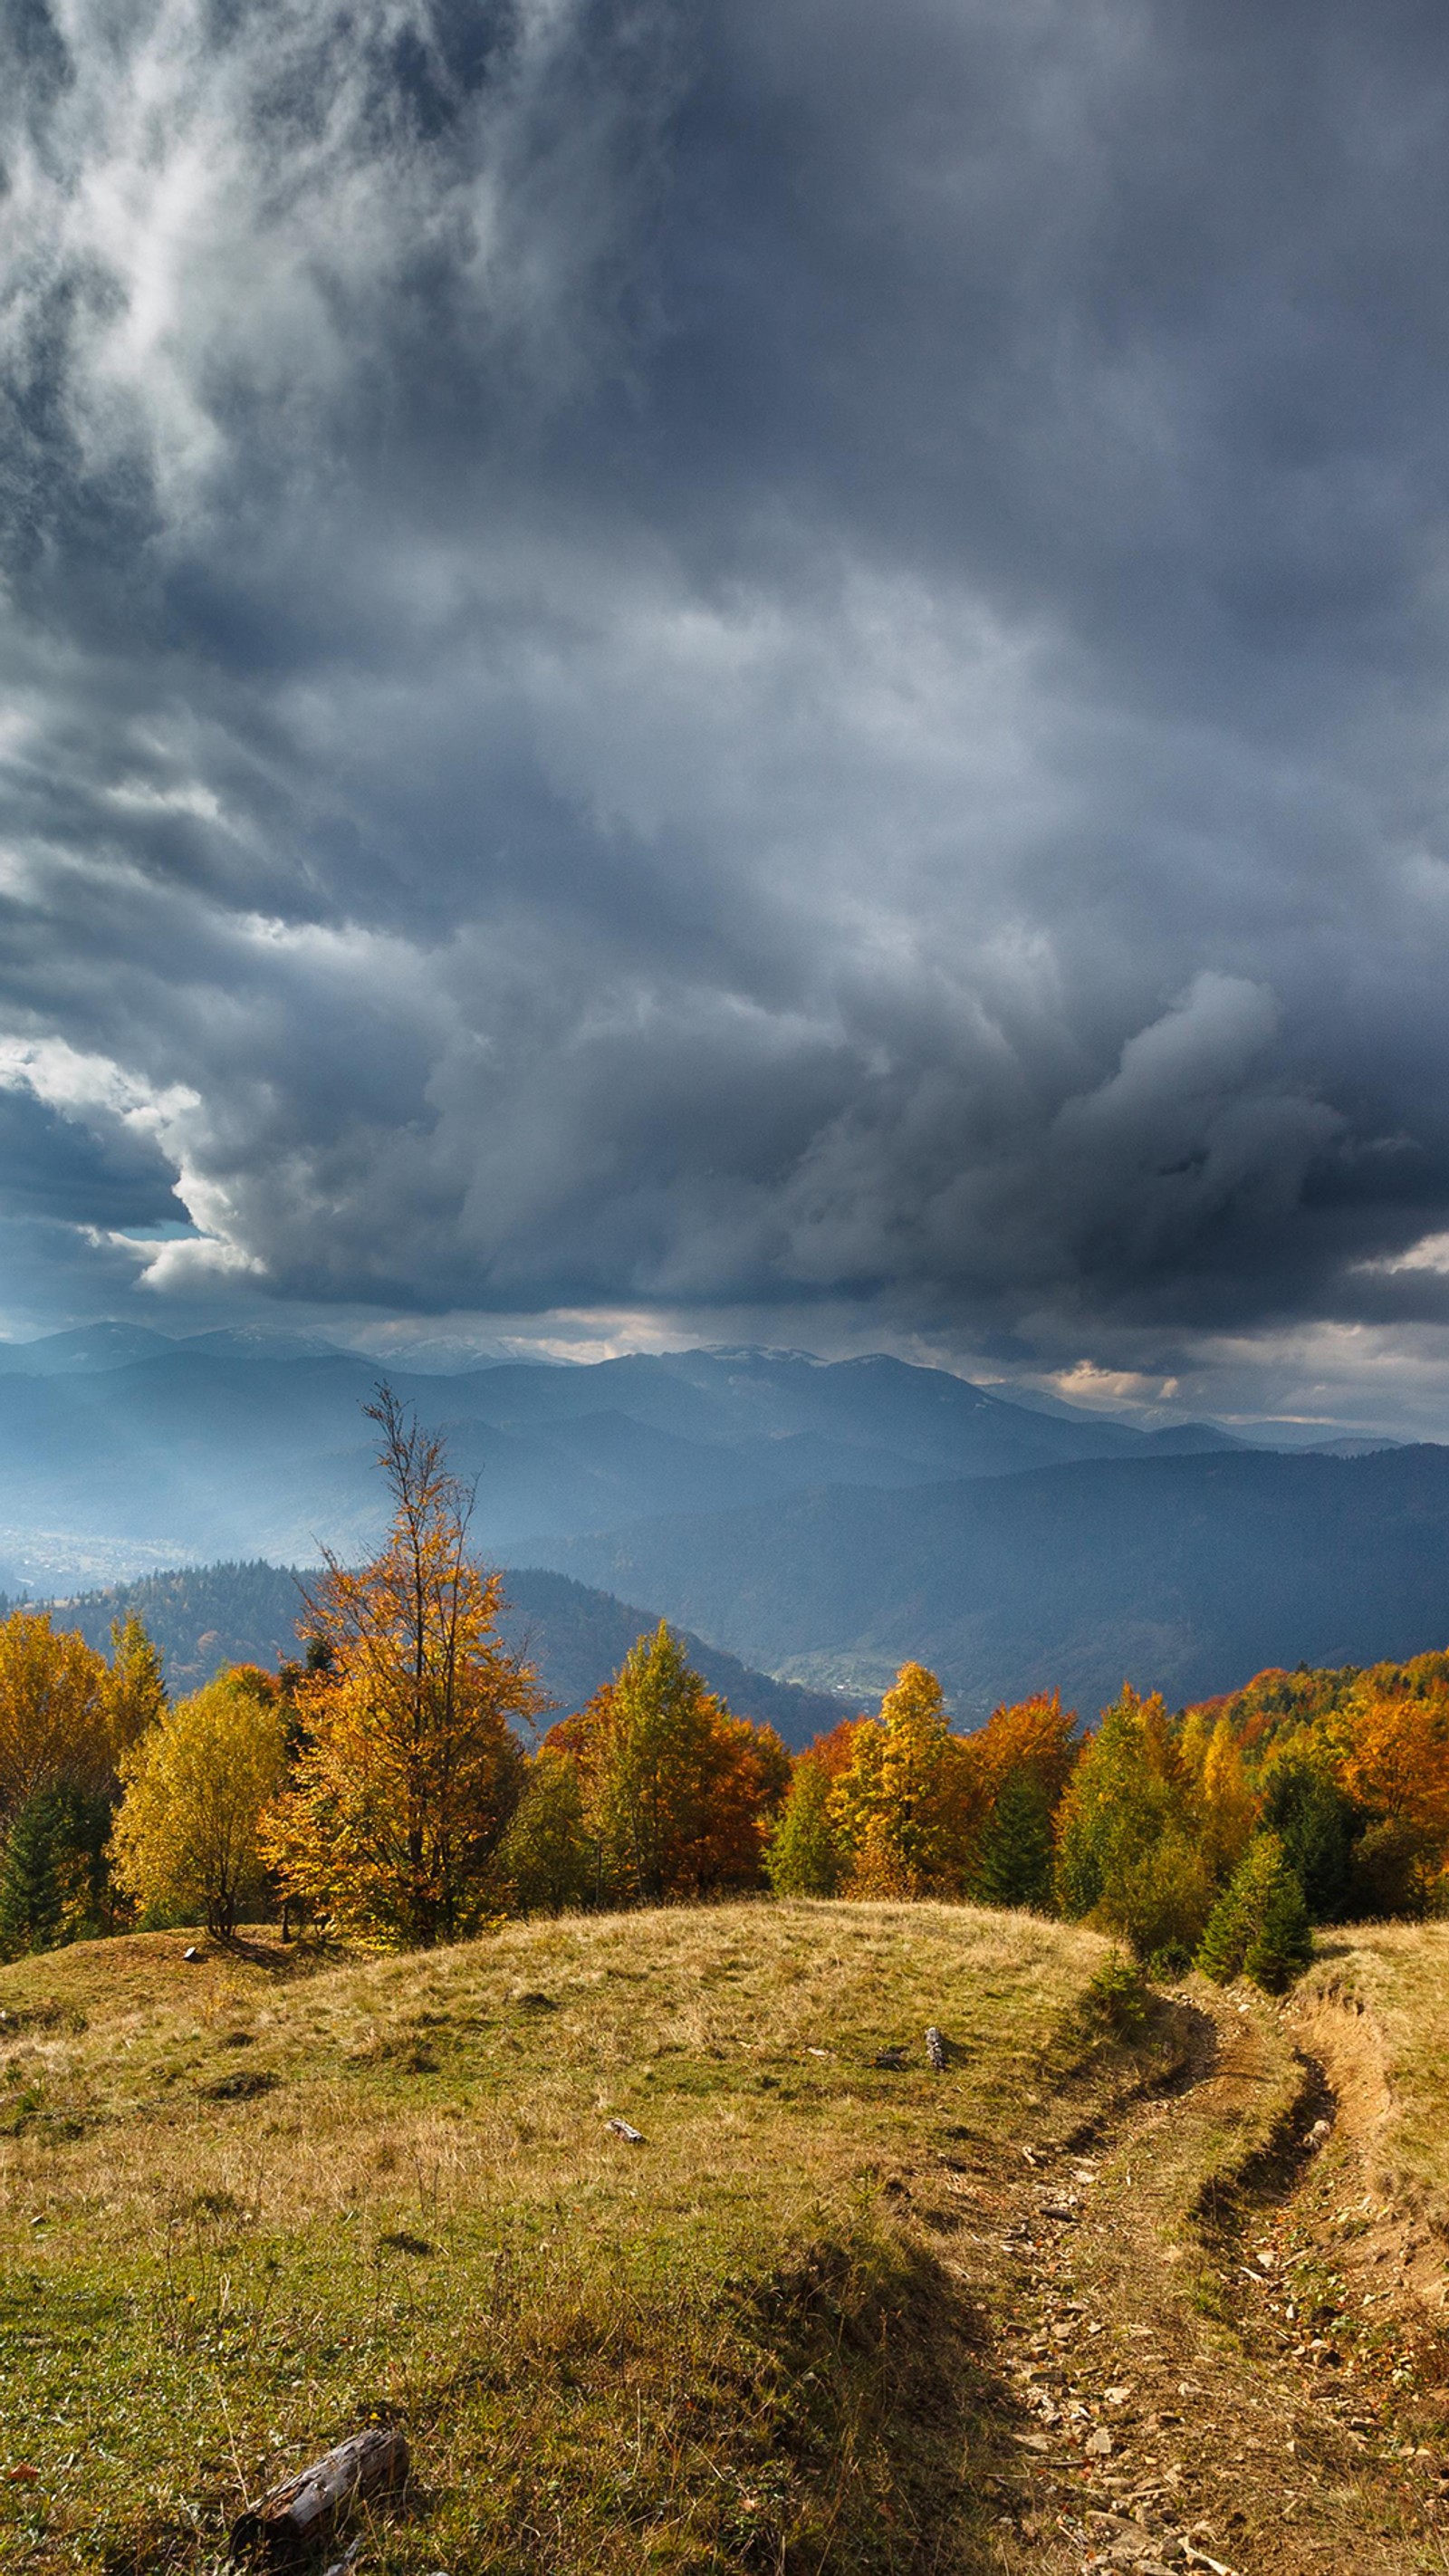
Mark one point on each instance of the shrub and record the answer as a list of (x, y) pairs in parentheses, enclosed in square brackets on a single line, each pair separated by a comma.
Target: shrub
[(1116, 1998)]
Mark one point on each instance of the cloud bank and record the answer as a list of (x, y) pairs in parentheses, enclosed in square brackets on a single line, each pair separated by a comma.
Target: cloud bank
[(741, 660)]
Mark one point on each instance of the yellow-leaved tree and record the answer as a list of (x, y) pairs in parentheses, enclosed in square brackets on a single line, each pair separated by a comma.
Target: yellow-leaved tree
[(188, 1835), (66, 1721), (135, 1691), (55, 1711), (407, 1772), (904, 1807), (1228, 1809), (1129, 1857)]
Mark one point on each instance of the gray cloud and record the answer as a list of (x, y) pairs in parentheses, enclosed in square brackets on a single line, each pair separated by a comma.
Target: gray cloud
[(732, 660)]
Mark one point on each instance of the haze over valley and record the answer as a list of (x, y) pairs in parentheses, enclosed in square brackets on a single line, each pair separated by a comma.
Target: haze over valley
[(819, 1522)]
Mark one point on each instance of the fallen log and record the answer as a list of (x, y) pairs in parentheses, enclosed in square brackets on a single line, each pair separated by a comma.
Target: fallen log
[(296, 2516)]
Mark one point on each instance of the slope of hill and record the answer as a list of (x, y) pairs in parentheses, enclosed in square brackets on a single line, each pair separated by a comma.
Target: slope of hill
[(577, 1638), (1376, 2011), (201, 1617), (818, 2303), (1186, 1573), (721, 2347)]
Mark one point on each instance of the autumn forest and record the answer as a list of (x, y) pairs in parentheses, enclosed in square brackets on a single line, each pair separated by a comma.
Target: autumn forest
[(399, 1783)]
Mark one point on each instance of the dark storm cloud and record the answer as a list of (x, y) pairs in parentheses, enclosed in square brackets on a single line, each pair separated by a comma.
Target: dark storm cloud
[(55, 1170), (734, 657)]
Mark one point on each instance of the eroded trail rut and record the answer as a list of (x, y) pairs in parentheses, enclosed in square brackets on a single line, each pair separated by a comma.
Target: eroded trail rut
[(1215, 2336)]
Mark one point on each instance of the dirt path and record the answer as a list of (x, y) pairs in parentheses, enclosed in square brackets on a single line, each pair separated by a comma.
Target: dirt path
[(1237, 2376)]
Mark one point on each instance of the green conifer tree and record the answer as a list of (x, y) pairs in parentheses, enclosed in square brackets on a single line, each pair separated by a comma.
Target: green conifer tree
[(1014, 1859), (1259, 1925), (1224, 1943), (1282, 1945), (802, 1856), (83, 1821), (31, 1892), (1316, 1822)]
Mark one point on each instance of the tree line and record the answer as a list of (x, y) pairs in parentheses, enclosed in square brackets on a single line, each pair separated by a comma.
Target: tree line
[(379, 1787)]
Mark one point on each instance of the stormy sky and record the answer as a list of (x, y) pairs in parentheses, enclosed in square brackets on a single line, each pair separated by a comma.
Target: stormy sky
[(734, 669)]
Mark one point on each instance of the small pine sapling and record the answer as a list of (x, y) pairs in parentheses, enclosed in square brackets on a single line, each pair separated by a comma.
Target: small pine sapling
[(1259, 1925), (1282, 1945)]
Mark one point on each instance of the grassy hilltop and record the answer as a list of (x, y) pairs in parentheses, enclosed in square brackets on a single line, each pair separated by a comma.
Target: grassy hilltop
[(1132, 2280), (246, 2206)]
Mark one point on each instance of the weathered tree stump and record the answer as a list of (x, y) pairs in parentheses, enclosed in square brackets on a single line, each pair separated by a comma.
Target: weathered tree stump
[(298, 2515)]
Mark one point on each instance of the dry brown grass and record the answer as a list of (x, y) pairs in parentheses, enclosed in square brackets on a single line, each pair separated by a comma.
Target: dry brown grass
[(1375, 2007), (243, 2207)]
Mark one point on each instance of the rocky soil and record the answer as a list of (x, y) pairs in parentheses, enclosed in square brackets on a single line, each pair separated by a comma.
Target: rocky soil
[(1224, 2350)]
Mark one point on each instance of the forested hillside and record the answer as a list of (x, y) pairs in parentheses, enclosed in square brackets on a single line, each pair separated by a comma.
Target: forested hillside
[(201, 1618), (1189, 1571), (577, 1638)]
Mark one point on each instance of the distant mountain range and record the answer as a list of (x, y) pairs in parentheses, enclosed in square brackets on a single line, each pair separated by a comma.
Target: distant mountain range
[(119, 1449), (819, 1521), (202, 1617), (1188, 1574)]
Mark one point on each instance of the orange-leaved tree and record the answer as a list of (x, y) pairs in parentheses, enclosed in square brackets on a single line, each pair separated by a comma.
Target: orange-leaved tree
[(1394, 1759), (1021, 1761), (750, 1783), (407, 1770), (1392, 1748)]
